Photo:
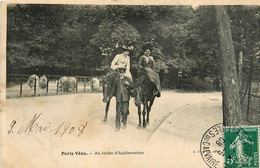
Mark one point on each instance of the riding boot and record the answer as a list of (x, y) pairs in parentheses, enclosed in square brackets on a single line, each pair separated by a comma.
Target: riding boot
[(156, 92)]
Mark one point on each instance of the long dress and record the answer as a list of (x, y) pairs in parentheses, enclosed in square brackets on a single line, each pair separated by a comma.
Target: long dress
[(146, 65)]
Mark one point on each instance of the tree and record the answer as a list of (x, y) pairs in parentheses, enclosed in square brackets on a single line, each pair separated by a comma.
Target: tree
[(245, 21), (230, 90), (111, 36), (75, 39), (206, 46)]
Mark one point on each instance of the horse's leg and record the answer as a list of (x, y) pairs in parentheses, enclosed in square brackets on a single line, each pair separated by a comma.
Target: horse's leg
[(139, 114), (144, 112), (149, 108), (147, 115), (106, 111)]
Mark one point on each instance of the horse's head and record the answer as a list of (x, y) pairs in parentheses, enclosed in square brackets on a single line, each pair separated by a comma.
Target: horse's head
[(138, 95), (108, 82), (106, 85)]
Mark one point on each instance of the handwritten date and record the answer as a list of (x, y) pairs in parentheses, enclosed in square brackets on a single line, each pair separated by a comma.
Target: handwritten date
[(34, 127)]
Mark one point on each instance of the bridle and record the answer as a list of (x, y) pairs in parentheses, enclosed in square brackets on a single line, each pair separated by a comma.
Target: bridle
[(138, 95), (106, 84)]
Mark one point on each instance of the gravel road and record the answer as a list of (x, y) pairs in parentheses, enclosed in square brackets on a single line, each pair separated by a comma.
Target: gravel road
[(62, 127)]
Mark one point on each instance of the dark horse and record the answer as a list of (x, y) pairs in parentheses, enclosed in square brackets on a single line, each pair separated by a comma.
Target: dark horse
[(108, 82), (144, 95)]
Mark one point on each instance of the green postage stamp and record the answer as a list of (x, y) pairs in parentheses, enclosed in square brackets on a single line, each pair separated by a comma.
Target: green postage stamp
[(241, 147)]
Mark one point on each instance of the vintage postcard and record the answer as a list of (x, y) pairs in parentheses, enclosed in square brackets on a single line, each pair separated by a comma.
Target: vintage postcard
[(136, 84)]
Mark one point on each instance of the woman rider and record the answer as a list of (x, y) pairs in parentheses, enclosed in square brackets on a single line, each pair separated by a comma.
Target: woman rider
[(146, 63), (122, 59), (146, 60)]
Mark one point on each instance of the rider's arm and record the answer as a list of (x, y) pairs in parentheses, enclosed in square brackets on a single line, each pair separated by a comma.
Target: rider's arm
[(152, 62), (128, 64), (114, 62), (137, 83), (140, 62)]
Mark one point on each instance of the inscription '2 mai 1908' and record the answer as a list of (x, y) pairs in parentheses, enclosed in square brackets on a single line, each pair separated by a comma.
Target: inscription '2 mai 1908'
[(33, 126)]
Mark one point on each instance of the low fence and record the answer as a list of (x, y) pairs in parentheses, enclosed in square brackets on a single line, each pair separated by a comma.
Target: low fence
[(17, 86), (250, 87), (250, 102)]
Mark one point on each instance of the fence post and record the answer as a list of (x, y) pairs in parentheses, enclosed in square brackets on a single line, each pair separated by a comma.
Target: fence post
[(58, 86), (249, 86), (47, 88), (84, 84), (100, 83), (248, 100), (35, 86), (21, 86), (77, 84), (68, 84)]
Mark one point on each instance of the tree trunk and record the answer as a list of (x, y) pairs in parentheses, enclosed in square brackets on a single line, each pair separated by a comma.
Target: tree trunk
[(230, 87)]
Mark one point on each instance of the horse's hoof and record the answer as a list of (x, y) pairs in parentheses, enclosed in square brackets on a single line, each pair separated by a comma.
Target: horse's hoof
[(144, 125), (104, 121), (139, 127)]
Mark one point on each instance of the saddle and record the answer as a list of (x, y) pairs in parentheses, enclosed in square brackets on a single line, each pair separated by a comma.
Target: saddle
[(153, 78)]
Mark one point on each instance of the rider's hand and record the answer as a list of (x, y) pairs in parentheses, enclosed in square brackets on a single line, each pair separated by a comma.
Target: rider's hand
[(127, 83), (115, 67)]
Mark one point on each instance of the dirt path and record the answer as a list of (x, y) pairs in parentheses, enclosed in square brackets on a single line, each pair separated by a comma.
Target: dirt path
[(177, 123)]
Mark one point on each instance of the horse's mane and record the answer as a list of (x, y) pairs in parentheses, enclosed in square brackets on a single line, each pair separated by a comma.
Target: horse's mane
[(110, 77)]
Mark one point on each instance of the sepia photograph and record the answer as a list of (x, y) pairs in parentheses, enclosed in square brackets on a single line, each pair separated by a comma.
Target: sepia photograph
[(135, 86)]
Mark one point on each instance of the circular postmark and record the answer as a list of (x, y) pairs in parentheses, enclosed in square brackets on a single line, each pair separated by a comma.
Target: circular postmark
[(238, 147), (229, 147), (212, 146)]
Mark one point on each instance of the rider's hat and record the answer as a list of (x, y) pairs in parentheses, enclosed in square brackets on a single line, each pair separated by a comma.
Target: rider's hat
[(127, 48), (147, 46)]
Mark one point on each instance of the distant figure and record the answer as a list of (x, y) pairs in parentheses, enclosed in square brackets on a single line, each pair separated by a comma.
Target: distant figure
[(43, 82), (65, 83), (31, 81), (95, 83)]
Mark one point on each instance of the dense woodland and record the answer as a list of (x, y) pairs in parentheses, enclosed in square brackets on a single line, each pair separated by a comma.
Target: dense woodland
[(83, 39)]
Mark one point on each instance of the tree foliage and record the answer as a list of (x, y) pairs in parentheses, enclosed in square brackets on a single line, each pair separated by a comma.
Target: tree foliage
[(83, 39)]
